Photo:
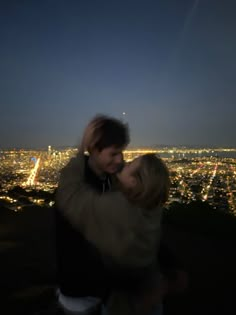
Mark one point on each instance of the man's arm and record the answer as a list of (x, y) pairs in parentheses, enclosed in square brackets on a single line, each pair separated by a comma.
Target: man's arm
[(108, 221)]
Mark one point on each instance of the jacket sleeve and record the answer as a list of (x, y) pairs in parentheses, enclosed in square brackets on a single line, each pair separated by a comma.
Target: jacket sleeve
[(108, 221)]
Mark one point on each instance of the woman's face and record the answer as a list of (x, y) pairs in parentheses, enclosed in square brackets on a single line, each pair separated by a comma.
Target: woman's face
[(127, 175)]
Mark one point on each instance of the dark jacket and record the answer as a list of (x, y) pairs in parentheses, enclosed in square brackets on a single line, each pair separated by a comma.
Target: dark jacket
[(80, 269)]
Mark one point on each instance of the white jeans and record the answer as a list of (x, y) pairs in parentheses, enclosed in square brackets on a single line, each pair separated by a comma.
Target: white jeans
[(77, 306), (86, 305)]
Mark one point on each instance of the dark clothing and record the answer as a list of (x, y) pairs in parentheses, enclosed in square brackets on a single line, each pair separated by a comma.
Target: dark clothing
[(80, 269)]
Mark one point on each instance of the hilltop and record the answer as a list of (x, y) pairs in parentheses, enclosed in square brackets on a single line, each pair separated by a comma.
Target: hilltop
[(203, 240)]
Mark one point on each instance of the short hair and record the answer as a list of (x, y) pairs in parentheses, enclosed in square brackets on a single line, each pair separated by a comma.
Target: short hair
[(153, 182), (110, 132)]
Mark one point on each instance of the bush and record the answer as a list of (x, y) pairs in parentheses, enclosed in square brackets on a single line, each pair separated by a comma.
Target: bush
[(201, 218)]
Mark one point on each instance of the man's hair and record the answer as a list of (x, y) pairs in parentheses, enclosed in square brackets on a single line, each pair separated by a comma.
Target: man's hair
[(153, 182), (111, 132)]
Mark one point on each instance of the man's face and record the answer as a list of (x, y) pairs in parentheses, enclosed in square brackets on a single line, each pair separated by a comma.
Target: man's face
[(109, 159)]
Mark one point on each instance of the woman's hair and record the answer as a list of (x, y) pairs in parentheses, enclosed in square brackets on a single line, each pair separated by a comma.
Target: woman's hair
[(153, 182)]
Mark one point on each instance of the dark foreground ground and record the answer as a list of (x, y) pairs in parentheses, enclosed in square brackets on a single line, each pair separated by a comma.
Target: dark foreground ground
[(27, 264)]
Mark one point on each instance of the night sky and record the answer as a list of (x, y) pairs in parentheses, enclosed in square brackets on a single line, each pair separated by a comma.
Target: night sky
[(170, 65)]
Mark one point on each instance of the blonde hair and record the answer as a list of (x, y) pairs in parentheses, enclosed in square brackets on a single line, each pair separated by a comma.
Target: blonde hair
[(153, 182)]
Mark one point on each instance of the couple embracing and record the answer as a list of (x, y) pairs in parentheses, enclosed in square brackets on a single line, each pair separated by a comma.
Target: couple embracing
[(108, 224)]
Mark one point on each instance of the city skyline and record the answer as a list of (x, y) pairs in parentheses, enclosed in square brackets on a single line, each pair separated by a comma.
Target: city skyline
[(170, 66), (129, 147), (31, 177)]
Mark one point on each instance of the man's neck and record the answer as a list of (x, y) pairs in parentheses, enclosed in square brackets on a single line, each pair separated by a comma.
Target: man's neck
[(95, 168)]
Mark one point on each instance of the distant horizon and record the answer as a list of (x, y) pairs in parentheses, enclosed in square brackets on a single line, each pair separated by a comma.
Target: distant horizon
[(155, 146)]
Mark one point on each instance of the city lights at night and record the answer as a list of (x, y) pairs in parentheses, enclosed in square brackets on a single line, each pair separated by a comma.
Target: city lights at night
[(196, 173)]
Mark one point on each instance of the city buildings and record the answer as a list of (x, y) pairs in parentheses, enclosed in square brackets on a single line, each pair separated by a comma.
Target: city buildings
[(196, 174)]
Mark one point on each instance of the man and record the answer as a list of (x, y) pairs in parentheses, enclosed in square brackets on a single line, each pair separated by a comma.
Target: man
[(81, 273)]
